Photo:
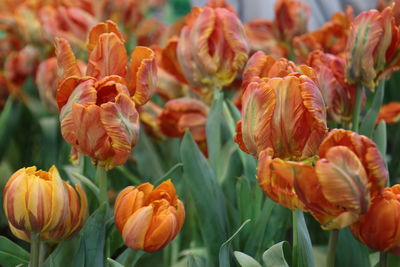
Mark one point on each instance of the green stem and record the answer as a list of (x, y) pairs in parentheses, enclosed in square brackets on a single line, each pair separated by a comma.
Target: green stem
[(357, 109), (101, 175), (35, 250), (333, 238), (383, 259), (295, 235)]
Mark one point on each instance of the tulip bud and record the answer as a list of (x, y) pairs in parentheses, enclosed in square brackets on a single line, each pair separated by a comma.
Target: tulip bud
[(76, 215), (35, 201), (212, 47), (379, 229), (149, 218), (286, 114), (372, 48)]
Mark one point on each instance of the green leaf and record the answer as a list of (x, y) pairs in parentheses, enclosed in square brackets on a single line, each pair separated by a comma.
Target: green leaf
[(380, 137), (195, 261), (350, 252), (130, 257), (149, 162), (207, 195), (276, 255), (225, 247), (9, 118), (87, 182), (302, 253), (49, 141), (114, 263), (71, 251), (93, 237), (245, 260), (11, 254), (368, 123), (168, 174)]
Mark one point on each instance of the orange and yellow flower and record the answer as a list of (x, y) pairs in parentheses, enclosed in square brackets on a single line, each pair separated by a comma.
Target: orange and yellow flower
[(339, 96), (212, 47), (390, 113), (345, 180), (286, 113), (372, 48), (98, 111), (183, 114), (35, 200), (379, 228), (149, 218)]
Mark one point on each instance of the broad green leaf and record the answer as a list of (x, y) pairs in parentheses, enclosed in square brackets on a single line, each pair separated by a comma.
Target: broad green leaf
[(114, 263), (350, 252), (168, 174), (49, 140), (225, 247), (302, 253), (195, 261), (149, 162), (207, 195), (380, 137), (9, 118), (368, 122), (276, 255), (71, 251), (93, 237), (130, 257), (245, 260), (11, 254)]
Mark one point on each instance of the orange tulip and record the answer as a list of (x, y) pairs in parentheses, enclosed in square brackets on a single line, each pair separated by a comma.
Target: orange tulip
[(382, 4), (330, 38), (286, 114), (348, 176), (390, 113), (261, 37), (372, 48), (97, 111), (35, 200), (183, 114), (339, 96), (212, 47), (291, 19), (379, 228), (149, 218), (149, 32)]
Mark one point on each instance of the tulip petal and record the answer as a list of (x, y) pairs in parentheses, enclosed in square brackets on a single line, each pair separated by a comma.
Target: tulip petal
[(142, 78), (121, 123), (67, 65), (108, 57), (136, 227), (95, 33)]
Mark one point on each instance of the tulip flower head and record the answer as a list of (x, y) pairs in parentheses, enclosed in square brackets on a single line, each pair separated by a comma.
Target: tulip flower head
[(98, 111), (285, 113), (149, 218), (212, 47), (345, 180), (372, 48), (379, 228), (35, 200)]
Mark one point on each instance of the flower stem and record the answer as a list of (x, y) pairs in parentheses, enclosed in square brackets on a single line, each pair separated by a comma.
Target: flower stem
[(333, 238), (35, 250), (382, 259), (101, 175), (357, 109)]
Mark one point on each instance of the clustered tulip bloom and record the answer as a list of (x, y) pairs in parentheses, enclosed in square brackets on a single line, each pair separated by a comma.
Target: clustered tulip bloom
[(35, 200), (379, 228), (149, 218), (372, 48), (98, 111), (212, 47)]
